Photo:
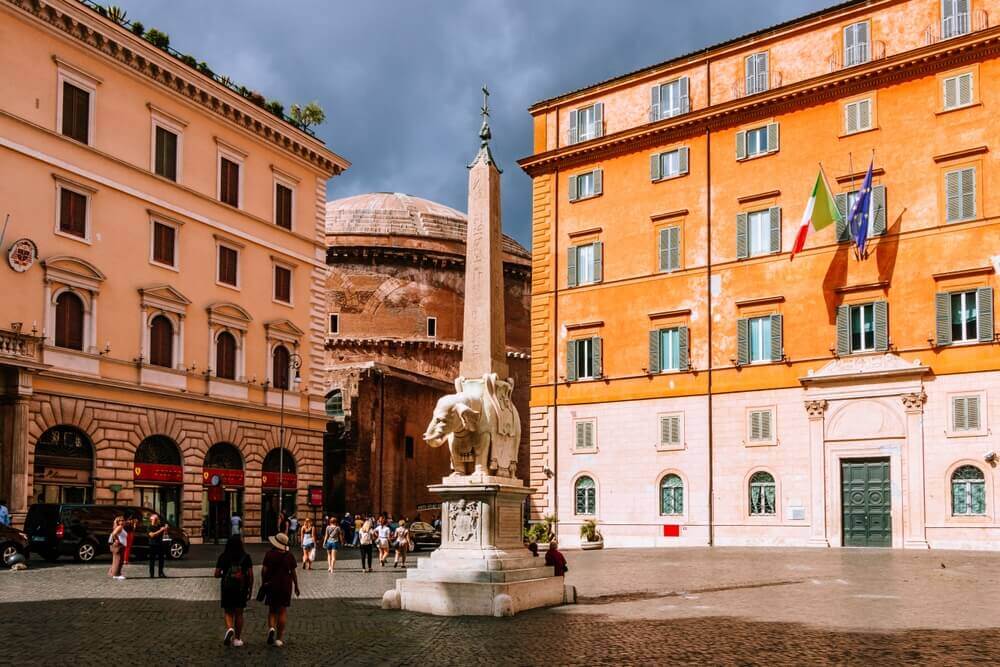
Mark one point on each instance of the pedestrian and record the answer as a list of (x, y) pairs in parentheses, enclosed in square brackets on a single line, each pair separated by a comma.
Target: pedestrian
[(533, 548), (278, 579), (436, 523), (4, 513), (279, 527), (555, 559), (308, 541), (235, 569), (116, 541), (365, 539), (382, 534), (235, 521), (358, 522), (293, 529), (402, 544), (130, 526), (157, 554), (331, 542)]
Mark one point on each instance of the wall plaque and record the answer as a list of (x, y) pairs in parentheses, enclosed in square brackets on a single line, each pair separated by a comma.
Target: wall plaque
[(22, 255)]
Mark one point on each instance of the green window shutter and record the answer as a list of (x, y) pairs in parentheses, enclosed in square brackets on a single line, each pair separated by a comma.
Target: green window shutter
[(654, 167), (942, 317), (772, 137), (574, 128), (598, 181), (777, 339), (959, 414), (766, 431), (682, 159), (673, 248), (665, 249), (682, 349), (597, 356), (581, 435), (775, 213), (984, 314), (881, 310), (571, 274), (574, 192), (654, 103), (599, 119), (741, 145), (571, 360), (756, 425), (843, 331), (654, 351), (742, 341), (878, 213), (953, 195), (685, 86), (843, 231), (598, 262), (742, 239), (972, 413)]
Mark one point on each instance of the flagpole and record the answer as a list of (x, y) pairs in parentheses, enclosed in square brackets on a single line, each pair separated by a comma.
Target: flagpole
[(850, 161)]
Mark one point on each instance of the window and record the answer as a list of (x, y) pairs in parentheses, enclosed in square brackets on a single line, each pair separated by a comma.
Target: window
[(76, 112), (762, 492), (760, 426), (586, 497), (960, 194), (69, 321), (73, 212), (585, 436), (758, 232), (161, 342), (757, 141), (165, 161), (586, 185), (863, 328), (670, 99), (876, 212), (965, 413), (586, 123), (225, 356), (282, 284), (954, 18), (958, 91), (229, 265), (282, 206), (281, 361), (670, 249), (968, 492), (584, 264), (164, 244), (229, 182), (670, 431), (335, 323), (857, 116), (335, 403), (432, 327), (669, 164), (671, 495), (583, 359), (756, 73), (964, 316), (856, 44), (760, 339), (668, 350)]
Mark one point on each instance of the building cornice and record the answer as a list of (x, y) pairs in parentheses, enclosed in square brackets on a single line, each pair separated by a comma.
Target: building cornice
[(418, 256), (337, 341), (842, 83), (133, 53)]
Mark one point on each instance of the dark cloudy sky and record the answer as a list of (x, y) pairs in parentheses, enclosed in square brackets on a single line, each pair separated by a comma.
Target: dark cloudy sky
[(400, 79)]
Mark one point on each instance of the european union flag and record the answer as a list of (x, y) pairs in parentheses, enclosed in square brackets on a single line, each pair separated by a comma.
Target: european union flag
[(858, 219)]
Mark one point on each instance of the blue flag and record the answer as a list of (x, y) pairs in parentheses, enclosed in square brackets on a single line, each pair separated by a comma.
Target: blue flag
[(858, 218)]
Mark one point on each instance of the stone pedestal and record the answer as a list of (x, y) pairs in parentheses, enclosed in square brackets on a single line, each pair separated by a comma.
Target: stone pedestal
[(482, 567)]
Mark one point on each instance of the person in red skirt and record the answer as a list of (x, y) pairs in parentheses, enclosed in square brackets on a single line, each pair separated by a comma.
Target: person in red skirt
[(130, 535)]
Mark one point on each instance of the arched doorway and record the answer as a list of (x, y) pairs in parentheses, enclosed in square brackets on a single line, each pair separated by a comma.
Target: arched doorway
[(159, 477), (278, 483), (222, 498), (64, 464)]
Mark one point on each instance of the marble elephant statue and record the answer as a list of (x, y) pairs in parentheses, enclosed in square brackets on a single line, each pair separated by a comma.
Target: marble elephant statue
[(480, 425)]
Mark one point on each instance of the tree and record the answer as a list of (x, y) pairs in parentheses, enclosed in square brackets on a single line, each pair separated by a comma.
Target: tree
[(306, 117)]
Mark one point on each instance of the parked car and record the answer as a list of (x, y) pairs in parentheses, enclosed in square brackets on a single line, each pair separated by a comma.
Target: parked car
[(424, 535), (82, 531), (12, 542)]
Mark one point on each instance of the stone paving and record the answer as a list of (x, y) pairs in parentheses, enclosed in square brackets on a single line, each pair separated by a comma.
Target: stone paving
[(721, 606)]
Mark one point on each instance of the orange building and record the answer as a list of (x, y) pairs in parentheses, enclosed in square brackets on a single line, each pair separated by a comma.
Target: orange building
[(690, 384), (163, 273)]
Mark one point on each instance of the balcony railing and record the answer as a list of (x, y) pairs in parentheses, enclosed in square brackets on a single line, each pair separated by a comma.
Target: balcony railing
[(745, 86), (857, 55), (22, 346), (956, 26)]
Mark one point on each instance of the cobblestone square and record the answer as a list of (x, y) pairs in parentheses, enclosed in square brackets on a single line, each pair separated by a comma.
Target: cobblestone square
[(719, 606)]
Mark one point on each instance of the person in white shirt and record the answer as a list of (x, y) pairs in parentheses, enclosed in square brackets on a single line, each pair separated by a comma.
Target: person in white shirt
[(235, 521), (293, 525), (383, 532)]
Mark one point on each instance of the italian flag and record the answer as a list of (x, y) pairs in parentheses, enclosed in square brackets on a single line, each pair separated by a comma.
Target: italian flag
[(821, 212)]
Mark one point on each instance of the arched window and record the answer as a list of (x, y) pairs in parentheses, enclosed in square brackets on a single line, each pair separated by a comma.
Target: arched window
[(69, 321), (586, 496), (968, 491), (161, 342), (279, 461), (335, 403), (225, 356), (671, 495), (281, 360), (762, 494), (158, 449), (225, 456)]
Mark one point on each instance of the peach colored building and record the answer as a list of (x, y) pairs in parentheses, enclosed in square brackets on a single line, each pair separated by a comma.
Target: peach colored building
[(163, 271), (690, 384)]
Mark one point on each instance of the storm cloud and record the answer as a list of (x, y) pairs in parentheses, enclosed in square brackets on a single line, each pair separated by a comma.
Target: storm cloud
[(400, 79)]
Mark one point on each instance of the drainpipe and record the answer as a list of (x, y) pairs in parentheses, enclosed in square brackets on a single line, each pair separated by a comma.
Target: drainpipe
[(555, 336), (708, 282)]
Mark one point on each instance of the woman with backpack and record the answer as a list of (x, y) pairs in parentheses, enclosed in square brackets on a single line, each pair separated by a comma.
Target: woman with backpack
[(402, 544), (235, 569), (331, 542)]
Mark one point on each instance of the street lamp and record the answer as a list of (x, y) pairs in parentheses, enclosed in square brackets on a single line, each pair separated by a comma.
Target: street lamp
[(295, 363)]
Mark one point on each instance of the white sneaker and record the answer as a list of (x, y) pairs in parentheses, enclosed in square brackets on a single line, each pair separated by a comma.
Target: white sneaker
[(237, 642), (229, 636), (120, 577), (279, 643)]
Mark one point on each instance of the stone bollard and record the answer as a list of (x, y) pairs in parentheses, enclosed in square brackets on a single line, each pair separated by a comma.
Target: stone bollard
[(569, 594), (390, 599), (503, 605)]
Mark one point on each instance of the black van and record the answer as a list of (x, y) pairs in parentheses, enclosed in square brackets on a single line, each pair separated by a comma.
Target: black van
[(82, 531)]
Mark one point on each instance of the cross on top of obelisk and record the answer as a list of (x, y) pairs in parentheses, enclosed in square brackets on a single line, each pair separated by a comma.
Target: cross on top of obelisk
[(485, 134)]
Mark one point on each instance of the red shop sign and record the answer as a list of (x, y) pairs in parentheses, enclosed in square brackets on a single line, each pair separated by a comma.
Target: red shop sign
[(226, 477), (272, 480), (316, 496), (671, 530), (157, 472)]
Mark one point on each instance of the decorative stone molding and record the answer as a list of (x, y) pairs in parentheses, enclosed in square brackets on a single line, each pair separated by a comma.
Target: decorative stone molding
[(464, 520), (816, 409), (855, 368), (914, 402)]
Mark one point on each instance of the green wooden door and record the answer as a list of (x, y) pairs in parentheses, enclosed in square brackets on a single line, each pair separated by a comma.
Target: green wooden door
[(866, 502)]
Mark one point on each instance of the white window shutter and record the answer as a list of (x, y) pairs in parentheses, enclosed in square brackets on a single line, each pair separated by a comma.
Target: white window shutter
[(655, 172), (965, 89), (942, 318), (984, 314), (673, 248), (951, 92), (741, 145), (772, 137), (851, 118), (599, 119), (654, 103), (574, 127), (865, 115), (968, 184), (598, 261), (959, 414), (685, 94), (574, 191), (665, 250), (775, 220), (598, 181), (682, 159), (953, 196), (972, 413)]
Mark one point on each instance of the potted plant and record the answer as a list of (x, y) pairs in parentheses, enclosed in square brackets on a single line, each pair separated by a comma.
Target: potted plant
[(138, 28), (542, 532), (160, 40), (590, 537)]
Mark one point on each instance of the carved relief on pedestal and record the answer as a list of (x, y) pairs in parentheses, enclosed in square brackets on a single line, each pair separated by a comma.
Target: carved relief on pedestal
[(463, 519), (914, 402), (816, 409)]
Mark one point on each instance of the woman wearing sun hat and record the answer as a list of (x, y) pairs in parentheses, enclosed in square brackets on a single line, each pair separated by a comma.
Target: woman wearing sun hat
[(277, 581)]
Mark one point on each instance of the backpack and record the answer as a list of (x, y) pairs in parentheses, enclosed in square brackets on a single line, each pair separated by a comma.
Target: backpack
[(232, 581)]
